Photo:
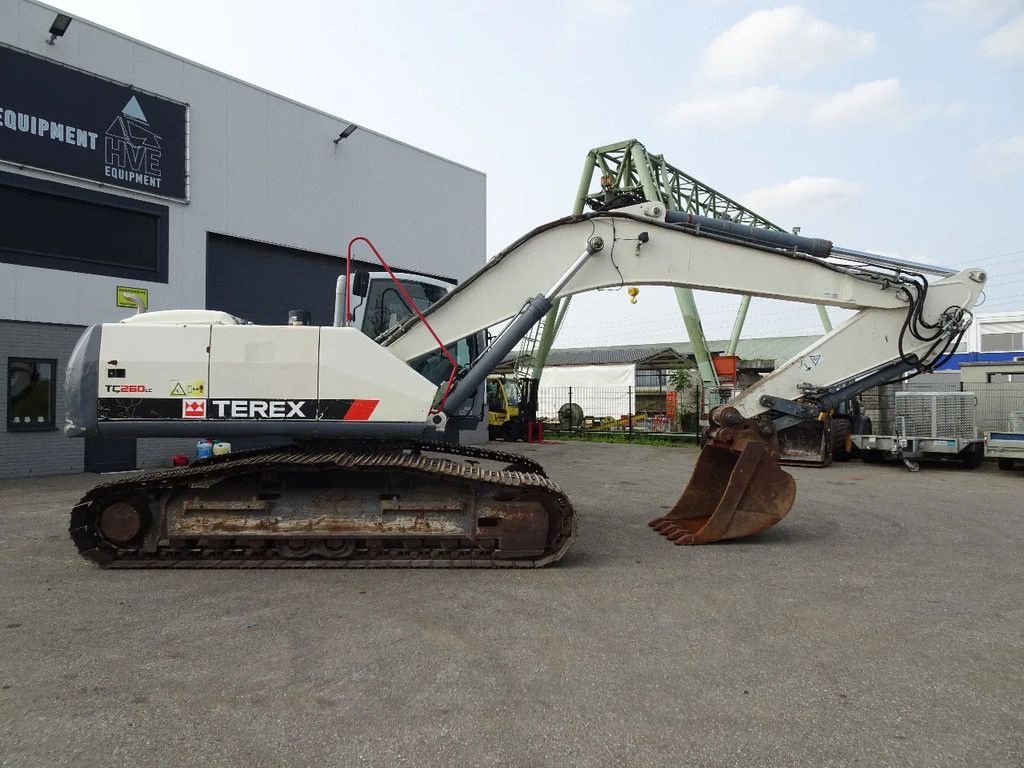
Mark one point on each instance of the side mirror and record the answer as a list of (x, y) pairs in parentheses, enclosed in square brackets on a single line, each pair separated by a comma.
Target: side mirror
[(361, 283)]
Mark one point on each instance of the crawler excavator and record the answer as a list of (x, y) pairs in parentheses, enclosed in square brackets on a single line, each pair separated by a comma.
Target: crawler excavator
[(372, 477)]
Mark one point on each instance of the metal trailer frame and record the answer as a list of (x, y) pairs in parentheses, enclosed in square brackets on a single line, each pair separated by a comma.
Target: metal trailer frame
[(932, 435), (912, 450), (1007, 447)]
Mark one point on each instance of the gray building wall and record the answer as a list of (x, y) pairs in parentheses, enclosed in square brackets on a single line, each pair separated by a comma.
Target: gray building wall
[(38, 453), (262, 168)]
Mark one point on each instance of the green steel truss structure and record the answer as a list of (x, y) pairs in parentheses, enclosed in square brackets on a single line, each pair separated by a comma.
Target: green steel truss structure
[(627, 173)]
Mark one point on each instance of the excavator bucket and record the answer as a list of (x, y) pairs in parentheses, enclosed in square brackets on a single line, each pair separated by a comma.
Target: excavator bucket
[(808, 444), (733, 492)]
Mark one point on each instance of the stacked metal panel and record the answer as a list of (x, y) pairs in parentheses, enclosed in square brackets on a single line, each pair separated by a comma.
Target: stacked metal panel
[(937, 414)]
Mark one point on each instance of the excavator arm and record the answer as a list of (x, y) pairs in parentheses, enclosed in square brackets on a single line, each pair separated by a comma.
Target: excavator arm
[(647, 245), (905, 324)]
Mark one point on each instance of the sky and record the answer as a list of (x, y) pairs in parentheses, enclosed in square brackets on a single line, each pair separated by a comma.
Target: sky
[(895, 127)]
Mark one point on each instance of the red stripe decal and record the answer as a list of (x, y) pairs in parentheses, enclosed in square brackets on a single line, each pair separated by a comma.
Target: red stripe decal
[(361, 410)]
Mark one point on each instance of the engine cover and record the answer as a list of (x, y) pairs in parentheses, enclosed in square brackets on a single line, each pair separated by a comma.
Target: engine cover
[(169, 379)]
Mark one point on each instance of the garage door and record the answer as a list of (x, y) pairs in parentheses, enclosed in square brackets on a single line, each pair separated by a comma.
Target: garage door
[(260, 282)]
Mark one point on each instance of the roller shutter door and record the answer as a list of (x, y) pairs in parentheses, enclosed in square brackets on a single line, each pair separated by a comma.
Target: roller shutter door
[(260, 282)]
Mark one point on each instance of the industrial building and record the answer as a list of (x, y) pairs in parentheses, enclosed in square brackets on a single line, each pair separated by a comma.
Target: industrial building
[(131, 177), (993, 337)]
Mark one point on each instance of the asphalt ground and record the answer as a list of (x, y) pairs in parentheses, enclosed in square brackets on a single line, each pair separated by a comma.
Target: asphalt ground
[(880, 624)]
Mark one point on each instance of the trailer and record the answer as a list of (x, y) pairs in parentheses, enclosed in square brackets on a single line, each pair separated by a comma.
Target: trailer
[(1007, 447), (930, 426)]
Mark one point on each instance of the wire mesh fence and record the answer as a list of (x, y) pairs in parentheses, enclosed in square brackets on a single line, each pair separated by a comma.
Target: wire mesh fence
[(630, 411), (626, 411)]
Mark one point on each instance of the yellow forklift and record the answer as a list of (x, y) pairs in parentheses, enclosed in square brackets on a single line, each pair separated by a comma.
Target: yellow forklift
[(511, 407)]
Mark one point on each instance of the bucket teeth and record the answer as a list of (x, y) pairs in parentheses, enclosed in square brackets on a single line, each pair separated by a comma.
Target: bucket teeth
[(734, 492)]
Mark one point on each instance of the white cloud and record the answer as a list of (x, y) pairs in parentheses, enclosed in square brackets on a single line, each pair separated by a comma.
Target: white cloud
[(744, 106), (580, 15), (607, 9), (1007, 42), (803, 194), (783, 41), (1001, 158), (955, 108), (878, 99), (983, 12)]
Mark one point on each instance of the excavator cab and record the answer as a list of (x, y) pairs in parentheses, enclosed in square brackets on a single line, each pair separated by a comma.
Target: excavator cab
[(379, 308)]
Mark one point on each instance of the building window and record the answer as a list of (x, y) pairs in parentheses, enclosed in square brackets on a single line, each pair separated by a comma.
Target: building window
[(31, 394), (652, 379), (1006, 378), (1002, 342), (56, 226)]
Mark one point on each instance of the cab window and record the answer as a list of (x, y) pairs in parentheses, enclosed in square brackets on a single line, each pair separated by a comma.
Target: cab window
[(512, 392), (435, 367), (494, 401), (385, 307)]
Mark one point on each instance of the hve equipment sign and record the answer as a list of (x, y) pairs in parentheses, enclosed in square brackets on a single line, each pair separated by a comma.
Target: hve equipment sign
[(66, 120)]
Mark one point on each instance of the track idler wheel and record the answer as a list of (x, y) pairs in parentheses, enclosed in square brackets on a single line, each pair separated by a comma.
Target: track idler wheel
[(123, 522), (737, 488), (295, 549)]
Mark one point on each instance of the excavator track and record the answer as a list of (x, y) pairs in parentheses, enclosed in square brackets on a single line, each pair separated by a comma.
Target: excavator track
[(331, 505)]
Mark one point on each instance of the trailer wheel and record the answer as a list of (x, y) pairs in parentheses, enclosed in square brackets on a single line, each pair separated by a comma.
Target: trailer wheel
[(972, 457), (1006, 463), (842, 439)]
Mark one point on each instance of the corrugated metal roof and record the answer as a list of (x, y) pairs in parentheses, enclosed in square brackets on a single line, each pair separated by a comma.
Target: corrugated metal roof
[(630, 353), (780, 349), (658, 356)]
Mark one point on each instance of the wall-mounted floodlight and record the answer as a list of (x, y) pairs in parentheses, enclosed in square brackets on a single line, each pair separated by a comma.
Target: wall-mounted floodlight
[(346, 133), (59, 27)]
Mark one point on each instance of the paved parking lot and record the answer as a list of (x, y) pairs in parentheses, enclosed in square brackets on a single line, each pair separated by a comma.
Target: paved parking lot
[(882, 623)]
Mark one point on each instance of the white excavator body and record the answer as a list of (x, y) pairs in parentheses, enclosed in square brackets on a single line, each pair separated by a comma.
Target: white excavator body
[(171, 375), (332, 388)]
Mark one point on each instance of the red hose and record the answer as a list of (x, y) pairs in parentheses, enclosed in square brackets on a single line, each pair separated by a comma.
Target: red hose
[(408, 300)]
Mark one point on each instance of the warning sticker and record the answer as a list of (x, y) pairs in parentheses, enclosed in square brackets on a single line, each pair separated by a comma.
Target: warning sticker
[(194, 388), (193, 409), (132, 298)]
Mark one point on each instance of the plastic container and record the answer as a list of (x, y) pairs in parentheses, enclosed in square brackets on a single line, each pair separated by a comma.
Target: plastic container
[(204, 449), (220, 448)]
